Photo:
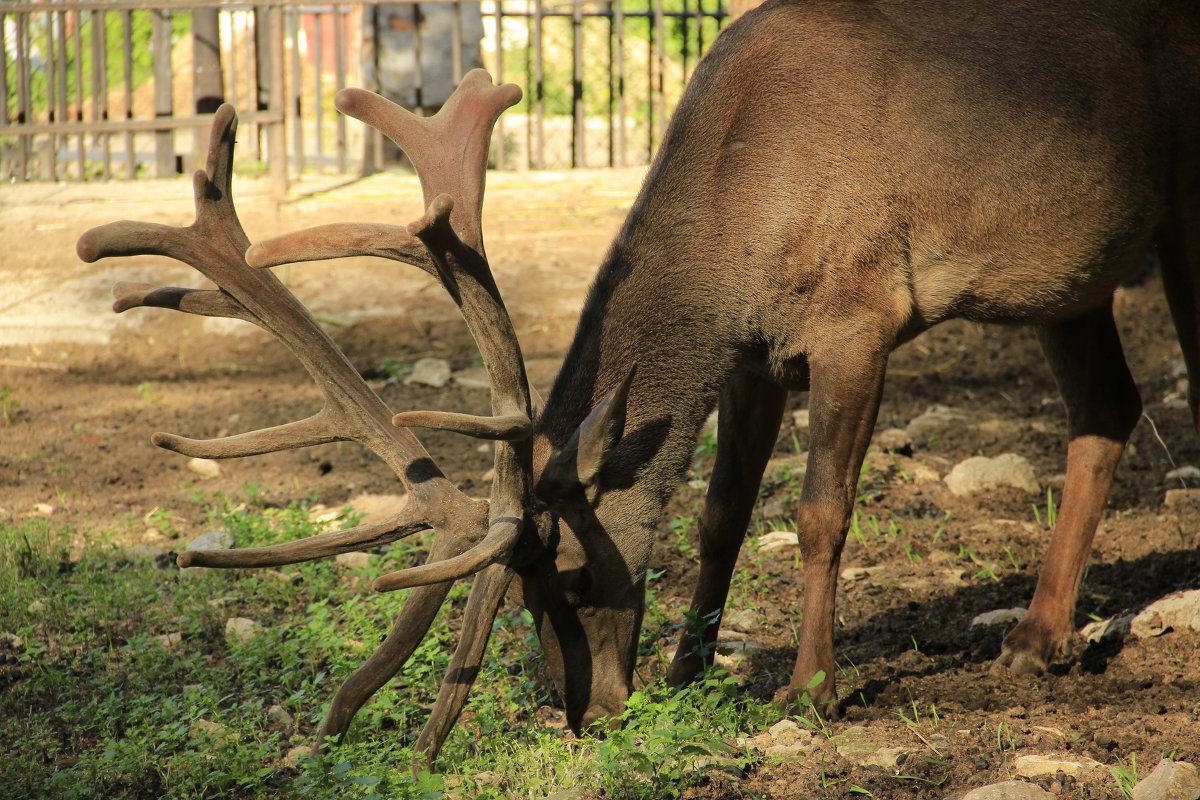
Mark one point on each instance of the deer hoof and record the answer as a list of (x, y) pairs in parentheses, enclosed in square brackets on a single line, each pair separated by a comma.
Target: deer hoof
[(1018, 662)]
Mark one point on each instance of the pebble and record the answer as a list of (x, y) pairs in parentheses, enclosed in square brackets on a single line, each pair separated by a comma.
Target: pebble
[(894, 440), (353, 560), (777, 540), (1181, 498), (433, 372), (1001, 616), (800, 418), (296, 755), (213, 540), (204, 467), (1170, 780), (1111, 628), (43, 510), (11, 641), (1183, 473), (36, 607), (934, 421), (1057, 768), (241, 629), (1178, 611), (169, 640), (280, 716), (741, 619), (979, 474), (472, 378), (203, 727), (1008, 790)]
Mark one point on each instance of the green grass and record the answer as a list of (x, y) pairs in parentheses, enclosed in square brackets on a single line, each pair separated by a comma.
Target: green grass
[(97, 705)]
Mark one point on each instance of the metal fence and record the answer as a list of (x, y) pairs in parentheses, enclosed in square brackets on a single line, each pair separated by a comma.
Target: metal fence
[(100, 89)]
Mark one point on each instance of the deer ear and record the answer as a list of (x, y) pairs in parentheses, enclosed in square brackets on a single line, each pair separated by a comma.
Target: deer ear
[(578, 462)]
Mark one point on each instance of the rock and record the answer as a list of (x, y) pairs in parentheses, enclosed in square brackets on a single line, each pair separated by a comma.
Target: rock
[(888, 757), (240, 629), (429, 372), (204, 467), (472, 378), (1177, 498), (786, 730), (894, 440), (773, 509), (935, 420), (777, 540), (1050, 765), (353, 560), (978, 474), (782, 752), (1001, 616), (858, 573), (135, 553), (279, 715), (852, 744), (377, 507), (1170, 780), (1180, 611), (567, 794), (43, 510), (1111, 628), (296, 755), (202, 728), (1184, 473), (213, 540), (741, 619), (11, 641), (730, 654), (36, 607), (1008, 790), (169, 640), (800, 418)]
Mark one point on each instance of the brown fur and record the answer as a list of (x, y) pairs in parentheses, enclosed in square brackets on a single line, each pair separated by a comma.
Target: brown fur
[(840, 176)]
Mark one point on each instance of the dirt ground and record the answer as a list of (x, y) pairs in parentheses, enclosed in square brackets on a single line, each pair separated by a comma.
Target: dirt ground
[(82, 390)]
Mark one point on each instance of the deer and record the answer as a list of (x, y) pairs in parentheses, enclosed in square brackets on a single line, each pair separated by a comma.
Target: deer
[(839, 176)]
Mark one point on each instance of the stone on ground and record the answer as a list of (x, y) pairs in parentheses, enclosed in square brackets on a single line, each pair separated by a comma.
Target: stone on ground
[(204, 467), (430, 372), (213, 540), (777, 540), (935, 420), (1039, 766), (1170, 780), (1001, 616), (1008, 790), (240, 629), (353, 560), (1178, 611), (979, 474)]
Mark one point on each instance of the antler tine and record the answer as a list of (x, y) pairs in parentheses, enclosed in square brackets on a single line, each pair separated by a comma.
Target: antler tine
[(215, 245)]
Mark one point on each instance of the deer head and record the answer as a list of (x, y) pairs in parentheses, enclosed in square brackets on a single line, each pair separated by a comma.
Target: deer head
[(514, 535)]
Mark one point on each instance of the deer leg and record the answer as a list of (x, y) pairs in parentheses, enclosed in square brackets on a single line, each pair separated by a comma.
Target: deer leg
[(1103, 407), (1179, 250), (843, 402), (751, 410)]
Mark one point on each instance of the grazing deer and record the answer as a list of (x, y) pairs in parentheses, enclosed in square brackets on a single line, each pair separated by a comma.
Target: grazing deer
[(840, 176)]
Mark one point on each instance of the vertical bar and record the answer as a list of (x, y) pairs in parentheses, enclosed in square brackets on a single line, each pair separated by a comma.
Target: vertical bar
[(127, 40), (418, 62), (660, 55), (23, 79), (276, 100), (259, 65), (612, 81), (539, 110), (529, 83), (578, 145), (318, 71), (295, 107), (100, 88), (456, 39), (4, 117), (234, 72), (81, 146), (685, 20), (339, 57), (49, 167), (620, 23), (498, 131), (650, 106), (160, 47)]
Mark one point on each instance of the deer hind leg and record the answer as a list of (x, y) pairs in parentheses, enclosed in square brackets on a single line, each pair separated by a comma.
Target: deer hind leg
[(1179, 250), (1102, 409), (751, 410), (846, 385)]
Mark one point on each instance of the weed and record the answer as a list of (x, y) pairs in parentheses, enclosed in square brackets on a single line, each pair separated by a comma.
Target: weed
[(146, 391), (1012, 559), (1051, 515), (680, 528), (393, 371), (1126, 775), (8, 406)]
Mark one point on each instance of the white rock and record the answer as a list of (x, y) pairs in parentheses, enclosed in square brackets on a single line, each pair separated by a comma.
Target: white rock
[(1111, 628), (978, 474), (1001, 616), (430, 372), (800, 418), (241, 629), (731, 654), (169, 640), (1183, 473), (785, 729), (1180, 611), (780, 752), (43, 510), (893, 439), (203, 727), (1182, 498), (204, 467), (1009, 790), (11, 641), (280, 716), (1041, 766), (472, 378), (353, 560), (888, 757), (213, 540), (1170, 780), (740, 619), (856, 573), (853, 745), (777, 540), (934, 421), (36, 607)]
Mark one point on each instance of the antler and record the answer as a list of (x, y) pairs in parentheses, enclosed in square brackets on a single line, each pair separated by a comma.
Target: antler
[(449, 151)]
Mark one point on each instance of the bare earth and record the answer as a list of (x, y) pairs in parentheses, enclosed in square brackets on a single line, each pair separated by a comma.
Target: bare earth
[(84, 389)]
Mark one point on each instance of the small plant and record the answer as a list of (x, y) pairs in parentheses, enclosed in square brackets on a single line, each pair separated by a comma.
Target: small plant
[(1051, 515), (680, 527), (394, 371), (1126, 775), (146, 390), (1012, 559), (8, 406)]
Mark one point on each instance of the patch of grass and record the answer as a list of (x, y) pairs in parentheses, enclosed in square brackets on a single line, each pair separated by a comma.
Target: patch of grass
[(103, 700), (8, 406)]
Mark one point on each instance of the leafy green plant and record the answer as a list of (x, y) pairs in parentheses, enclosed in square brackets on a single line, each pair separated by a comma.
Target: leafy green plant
[(8, 406), (1126, 774)]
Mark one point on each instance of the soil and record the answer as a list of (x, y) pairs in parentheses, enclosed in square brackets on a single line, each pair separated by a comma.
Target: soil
[(83, 389)]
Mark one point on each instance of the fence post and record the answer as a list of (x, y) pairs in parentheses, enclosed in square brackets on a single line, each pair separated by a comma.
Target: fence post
[(160, 46), (277, 140)]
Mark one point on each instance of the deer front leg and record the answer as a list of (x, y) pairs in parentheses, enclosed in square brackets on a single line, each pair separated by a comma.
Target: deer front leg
[(843, 401), (751, 410), (1103, 407)]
